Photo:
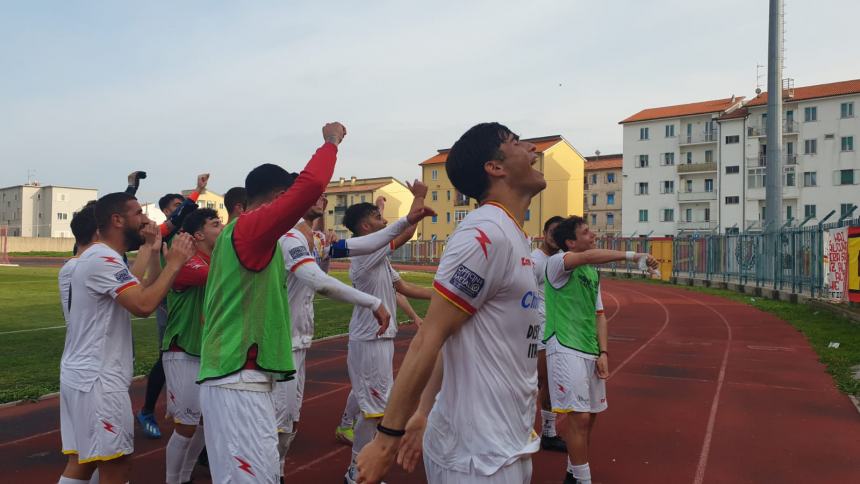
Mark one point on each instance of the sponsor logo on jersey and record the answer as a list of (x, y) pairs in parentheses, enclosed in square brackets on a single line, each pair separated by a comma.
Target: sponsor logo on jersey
[(525, 261), (467, 281), (122, 276), (299, 252), (530, 300)]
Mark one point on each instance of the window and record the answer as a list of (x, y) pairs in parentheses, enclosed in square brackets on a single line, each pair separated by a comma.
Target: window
[(707, 215), (610, 219), (643, 215), (434, 219), (733, 169), (845, 209), (788, 212), (593, 219), (459, 215), (847, 143), (460, 200), (643, 133), (448, 217), (790, 177), (610, 198), (688, 215), (668, 159), (809, 211), (594, 179), (62, 216), (593, 199), (643, 161), (844, 177), (449, 195), (709, 185), (434, 175), (668, 215), (756, 178), (642, 188), (610, 177), (829, 136), (433, 194), (528, 214), (670, 130), (668, 186), (809, 179), (846, 110), (731, 140), (709, 156), (689, 157), (688, 186), (810, 114), (810, 146)]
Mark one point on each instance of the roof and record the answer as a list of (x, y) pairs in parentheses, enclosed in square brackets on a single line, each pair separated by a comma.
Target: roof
[(603, 162), (814, 92), (48, 186), (737, 113), (350, 188), (542, 144), (678, 110)]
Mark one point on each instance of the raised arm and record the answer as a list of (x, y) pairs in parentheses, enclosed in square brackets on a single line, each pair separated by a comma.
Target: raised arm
[(573, 260), (142, 301)]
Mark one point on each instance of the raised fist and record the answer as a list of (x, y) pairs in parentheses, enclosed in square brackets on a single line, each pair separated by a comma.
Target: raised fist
[(334, 133)]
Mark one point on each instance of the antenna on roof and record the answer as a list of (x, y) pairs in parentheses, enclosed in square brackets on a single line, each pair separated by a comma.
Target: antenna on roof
[(758, 76), (597, 154)]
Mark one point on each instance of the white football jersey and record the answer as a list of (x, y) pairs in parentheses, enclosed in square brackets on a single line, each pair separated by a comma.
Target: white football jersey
[(300, 296), (65, 280), (373, 274)]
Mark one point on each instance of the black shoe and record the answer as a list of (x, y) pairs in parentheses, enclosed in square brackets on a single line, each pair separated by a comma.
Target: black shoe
[(569, 479), (555, 444), (203, 458)]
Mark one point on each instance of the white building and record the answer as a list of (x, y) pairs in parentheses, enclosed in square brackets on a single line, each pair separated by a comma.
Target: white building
[(42, 211), (710, 174)]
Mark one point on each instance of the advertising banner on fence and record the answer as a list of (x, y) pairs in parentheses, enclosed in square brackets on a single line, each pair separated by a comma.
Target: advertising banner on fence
[(854, 264), (661, 249), (836, 262)]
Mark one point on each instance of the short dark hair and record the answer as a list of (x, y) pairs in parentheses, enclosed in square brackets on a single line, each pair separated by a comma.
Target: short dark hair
[(552, 220), (84, 224), (566, 230), (197, 219), (265, 179), (110, 204), (465, 164), (236, 195), (164, 201), (355, 214)]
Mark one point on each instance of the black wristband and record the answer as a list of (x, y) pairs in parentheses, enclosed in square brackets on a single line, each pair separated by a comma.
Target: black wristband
[(387, 431), (603, 352)]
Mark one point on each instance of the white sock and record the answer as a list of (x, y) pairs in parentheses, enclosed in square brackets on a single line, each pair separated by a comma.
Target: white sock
[(177, 447), (95, 478), (547, 423), (350, 413), (285, 439), (69, 480), (198, 441), (582, 473)]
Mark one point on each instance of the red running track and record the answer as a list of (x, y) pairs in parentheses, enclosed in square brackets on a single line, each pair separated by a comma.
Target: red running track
[(702, 390)]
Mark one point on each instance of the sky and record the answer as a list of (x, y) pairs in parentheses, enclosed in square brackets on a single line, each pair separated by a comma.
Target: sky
[(90, 91)]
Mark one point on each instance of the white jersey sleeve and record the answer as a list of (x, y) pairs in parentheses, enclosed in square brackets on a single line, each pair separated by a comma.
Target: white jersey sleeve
[(598, 304), (556, 274), (65, 281), (395, 276), (294, 247), (110, 276), (369, 244), (472, 267), (312, 275)]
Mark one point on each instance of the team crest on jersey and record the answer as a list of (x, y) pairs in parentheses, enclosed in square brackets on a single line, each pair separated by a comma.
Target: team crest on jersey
[(299, 252), (122, 276), (467, 281)]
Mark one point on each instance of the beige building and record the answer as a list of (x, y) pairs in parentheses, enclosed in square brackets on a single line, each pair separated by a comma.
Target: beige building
[(345, 192), (209, 199), (33, 210), (560, 163), (603, 194)]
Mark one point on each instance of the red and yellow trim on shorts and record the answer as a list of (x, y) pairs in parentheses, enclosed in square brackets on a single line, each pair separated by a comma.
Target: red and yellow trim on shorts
[(454, 299), (97, 458), (372, 415)]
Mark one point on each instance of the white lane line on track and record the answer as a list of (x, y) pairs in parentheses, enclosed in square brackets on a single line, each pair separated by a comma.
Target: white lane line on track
[(646, 343)]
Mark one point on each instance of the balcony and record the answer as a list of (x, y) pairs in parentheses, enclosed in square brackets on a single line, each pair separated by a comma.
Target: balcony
[(761, 160), (698, 138), (699, 226), (697, 167), (696, 196), (789, 127)]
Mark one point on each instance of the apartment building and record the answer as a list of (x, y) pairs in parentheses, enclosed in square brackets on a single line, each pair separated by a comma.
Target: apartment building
[(345, 192), (209, 199), (603, 194), (561, 164), (33, 210), (700, 167)]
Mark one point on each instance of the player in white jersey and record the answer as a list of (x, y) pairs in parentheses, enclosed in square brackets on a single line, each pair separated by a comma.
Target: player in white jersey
[(96, 366), (370, 356), (86, 234), (549, 439), (484, 322), (576, 336)]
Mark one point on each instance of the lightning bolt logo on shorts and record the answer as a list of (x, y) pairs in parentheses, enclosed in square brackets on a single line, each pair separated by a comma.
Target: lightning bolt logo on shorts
[(245, 466), (108, 426), (560, 388), (375, 394), (483, 240)]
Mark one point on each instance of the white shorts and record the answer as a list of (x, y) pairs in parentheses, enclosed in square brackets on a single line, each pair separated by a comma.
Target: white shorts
[(240, 435), (541, 346), (96, 425), (574, 385), (183, 392), (517, 472), (371, 373), (288, 395)]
